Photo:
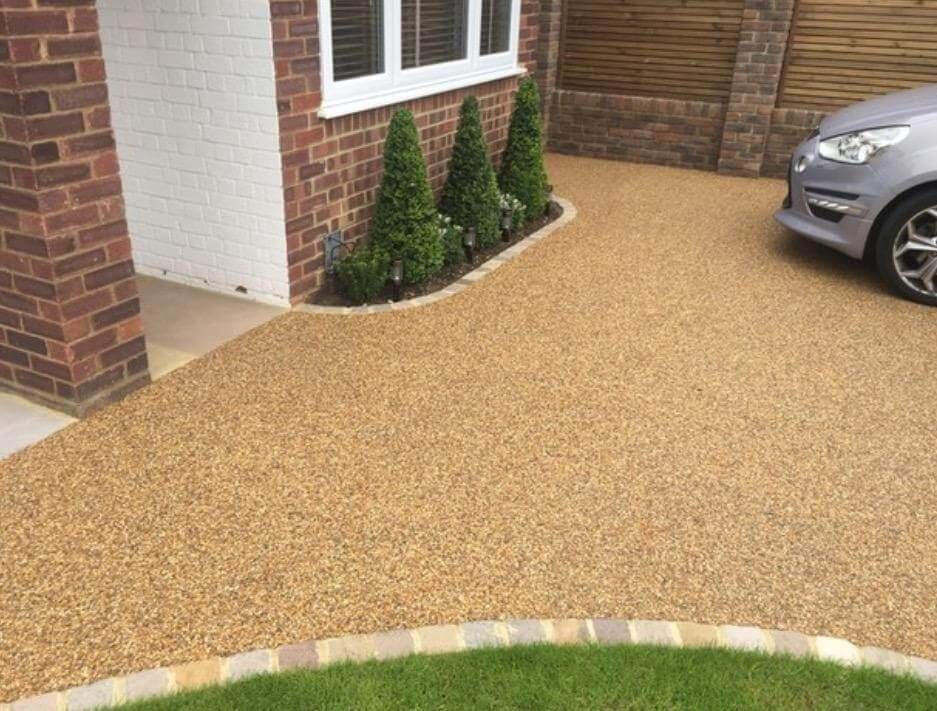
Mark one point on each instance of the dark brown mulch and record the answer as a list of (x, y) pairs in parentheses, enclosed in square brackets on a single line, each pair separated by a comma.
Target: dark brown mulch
[(329, 296)]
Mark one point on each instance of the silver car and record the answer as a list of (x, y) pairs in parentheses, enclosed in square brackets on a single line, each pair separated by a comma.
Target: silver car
[(865, 183)]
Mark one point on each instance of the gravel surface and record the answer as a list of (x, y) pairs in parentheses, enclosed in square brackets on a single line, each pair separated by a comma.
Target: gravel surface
[(669, 409)]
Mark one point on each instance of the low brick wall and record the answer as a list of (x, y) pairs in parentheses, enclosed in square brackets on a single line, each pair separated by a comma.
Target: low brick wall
[(734, 135), (788, 128), (666, 131)]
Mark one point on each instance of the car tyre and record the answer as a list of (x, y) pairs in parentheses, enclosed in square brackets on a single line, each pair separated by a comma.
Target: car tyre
[(892, 234)]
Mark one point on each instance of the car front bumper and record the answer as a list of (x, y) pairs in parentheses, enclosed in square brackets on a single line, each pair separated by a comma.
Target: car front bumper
[(828, 202)]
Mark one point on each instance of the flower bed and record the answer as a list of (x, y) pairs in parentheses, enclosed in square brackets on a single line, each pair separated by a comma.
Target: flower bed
[(450, 273), (414, 246)]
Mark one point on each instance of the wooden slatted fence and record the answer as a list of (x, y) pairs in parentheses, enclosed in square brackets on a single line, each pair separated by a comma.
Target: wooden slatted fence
[(843, 51), (682, 49)]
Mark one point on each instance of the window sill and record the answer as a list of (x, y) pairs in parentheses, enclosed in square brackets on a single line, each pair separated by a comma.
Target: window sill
[(334, 109)]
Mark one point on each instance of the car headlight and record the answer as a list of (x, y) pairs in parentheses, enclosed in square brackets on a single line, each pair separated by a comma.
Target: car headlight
[(858, 147)]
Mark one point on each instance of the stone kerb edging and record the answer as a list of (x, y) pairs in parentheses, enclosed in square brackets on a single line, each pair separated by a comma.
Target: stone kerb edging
[(440, 639), (477, 274)]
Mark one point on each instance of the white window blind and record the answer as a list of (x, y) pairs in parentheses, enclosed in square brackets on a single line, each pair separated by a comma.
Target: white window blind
[(495, 26), (357, 38), (433, 31), (381, 52)]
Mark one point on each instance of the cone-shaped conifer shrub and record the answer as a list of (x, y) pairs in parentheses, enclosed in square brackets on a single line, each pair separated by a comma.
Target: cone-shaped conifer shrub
[(404, 224), (470, 196), (522, 173)]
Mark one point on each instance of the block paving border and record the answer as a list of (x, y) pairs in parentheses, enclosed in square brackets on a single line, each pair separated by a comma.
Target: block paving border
[(457, 287), (441, 639)]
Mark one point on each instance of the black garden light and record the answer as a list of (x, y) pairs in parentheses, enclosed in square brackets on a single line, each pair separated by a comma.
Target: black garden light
[(396, 277), (507, 220), (468, 241)]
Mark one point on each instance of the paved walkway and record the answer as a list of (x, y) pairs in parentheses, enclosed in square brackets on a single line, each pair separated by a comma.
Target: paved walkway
[(180, 322), (23, 422), (670, 409)]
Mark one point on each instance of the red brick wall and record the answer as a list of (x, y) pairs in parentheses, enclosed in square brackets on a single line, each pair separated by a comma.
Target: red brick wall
[(788, 128), (666, 131), (331, 168), (548, 51), (759, 62), (731, 136), (70, 329)]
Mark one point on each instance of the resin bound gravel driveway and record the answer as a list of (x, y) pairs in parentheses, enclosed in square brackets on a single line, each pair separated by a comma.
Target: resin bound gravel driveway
[(669, 409)]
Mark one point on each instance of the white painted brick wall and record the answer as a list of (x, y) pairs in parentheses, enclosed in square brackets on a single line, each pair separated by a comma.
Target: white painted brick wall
[(194, 110)]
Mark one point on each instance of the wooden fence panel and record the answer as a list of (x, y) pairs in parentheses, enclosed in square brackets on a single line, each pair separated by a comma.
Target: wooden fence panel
[(678, 49), (843, 51)]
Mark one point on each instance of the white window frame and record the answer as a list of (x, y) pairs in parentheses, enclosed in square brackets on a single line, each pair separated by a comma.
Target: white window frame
[(395, 84)]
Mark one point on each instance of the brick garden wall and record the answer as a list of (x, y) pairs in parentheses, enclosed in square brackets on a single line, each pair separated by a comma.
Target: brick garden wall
[(70, 328), (749, 134), (548, 51), (732, 136), (634, 128), (331, 168), (759, 62), (788, 128)]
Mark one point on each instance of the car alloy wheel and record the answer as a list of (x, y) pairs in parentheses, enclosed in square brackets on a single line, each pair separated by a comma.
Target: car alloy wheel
[(915, 252)]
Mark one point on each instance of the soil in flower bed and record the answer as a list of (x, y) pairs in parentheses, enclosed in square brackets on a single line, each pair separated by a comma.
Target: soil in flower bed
[(329, 296)]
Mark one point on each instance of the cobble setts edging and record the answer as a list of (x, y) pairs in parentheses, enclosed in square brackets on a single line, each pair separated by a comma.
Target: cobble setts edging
[(441, 639)]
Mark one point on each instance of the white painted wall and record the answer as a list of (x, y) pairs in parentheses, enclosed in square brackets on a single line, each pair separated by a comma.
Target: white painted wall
[(194, 110)]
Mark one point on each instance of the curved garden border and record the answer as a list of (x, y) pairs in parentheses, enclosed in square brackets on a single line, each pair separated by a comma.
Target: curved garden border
[(457, 287), (438, 639)]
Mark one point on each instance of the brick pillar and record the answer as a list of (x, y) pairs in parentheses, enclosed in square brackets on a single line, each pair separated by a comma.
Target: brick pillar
[(305, 187), (765, 28), (548, 52), (70, 327)]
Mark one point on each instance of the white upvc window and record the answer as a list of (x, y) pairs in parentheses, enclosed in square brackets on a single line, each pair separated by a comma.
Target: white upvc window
[(381, 52)]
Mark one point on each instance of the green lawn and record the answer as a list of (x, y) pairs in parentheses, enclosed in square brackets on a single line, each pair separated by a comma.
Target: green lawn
[(545, 677)]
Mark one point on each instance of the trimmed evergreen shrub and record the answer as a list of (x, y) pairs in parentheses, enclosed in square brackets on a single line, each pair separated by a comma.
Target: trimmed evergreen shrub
[(517, 208), (522, 172), (362, 274), (404, 224), (453, 250), (470, 196)]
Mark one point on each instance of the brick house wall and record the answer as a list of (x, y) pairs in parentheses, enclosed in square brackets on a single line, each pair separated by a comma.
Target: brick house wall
[(194, 112), (70, 328), (332, 168)]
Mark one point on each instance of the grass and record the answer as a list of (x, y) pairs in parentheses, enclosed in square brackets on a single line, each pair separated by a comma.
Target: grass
[(546, 677)]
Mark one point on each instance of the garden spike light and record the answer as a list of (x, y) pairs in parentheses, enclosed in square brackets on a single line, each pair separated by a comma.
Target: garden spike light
[(396, 277), (507, 220), (468, 241)]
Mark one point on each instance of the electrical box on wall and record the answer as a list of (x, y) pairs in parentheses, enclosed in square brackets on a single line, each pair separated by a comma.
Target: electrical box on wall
[(334, 248)]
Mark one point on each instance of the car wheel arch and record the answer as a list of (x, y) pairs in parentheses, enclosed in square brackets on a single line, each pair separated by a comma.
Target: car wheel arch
[(869, 252)]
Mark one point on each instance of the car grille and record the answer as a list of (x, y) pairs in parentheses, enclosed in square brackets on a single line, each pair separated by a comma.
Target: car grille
[(790, 172), (825, 213)]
